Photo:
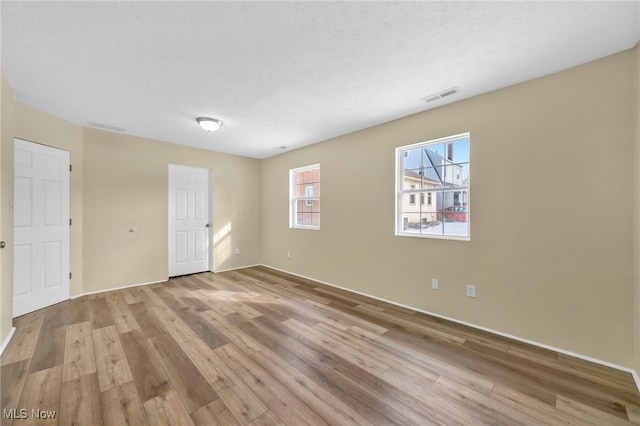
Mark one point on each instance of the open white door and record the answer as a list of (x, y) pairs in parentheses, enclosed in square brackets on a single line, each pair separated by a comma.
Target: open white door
[(189, 220), (41, 227)]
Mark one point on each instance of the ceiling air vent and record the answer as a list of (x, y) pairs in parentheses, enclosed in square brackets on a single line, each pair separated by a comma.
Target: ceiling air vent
[(105, 127), (444, 93)]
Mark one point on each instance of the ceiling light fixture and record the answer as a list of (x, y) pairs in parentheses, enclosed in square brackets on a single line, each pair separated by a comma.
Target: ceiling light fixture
[(209, 124)]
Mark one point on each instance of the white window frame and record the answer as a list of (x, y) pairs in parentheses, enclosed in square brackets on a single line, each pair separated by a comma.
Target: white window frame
[(401, 154), (293, 200)]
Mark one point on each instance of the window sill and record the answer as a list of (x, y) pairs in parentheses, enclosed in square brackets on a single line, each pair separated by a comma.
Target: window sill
[(434, 237)]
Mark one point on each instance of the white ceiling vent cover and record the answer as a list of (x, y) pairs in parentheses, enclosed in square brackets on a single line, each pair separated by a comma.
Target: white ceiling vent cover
[(105, 127), (444, 93)]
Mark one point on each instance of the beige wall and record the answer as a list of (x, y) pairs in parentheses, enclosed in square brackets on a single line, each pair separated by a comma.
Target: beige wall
[(6, 205), (125, 186), (548, 263)]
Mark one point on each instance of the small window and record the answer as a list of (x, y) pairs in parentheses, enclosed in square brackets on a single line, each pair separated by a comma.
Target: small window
[(439, 168), (304, 197)]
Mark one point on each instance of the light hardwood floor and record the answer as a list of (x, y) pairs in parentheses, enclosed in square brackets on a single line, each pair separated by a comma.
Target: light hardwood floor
[(260, 347)]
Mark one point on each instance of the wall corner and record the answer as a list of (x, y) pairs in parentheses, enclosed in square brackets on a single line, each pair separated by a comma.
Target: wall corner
[(7, 110), (636, 209)]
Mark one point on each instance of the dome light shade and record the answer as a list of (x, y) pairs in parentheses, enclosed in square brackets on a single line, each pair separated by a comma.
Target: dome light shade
[(209, 124)]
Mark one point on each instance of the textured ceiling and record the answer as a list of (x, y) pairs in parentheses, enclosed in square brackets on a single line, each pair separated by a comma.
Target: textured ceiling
[(287, 73)]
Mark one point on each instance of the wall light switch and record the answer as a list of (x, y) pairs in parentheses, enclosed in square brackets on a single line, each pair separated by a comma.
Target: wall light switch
[(471, 290), (288, 254), (434, 284), (237, 251)]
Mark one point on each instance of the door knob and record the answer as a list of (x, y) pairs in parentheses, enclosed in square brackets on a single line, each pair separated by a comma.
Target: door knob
[(207, 226), (2, 244)]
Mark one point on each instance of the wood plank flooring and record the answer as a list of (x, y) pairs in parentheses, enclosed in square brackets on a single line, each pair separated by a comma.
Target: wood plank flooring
[(260, 347)]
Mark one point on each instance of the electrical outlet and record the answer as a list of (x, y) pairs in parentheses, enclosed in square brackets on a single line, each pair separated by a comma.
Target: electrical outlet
[(434, 284), (471, 290), (237, 251), (289, 254)]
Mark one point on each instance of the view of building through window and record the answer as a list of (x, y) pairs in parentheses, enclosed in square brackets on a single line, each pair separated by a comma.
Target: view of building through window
[(304, 210), (439, 172)]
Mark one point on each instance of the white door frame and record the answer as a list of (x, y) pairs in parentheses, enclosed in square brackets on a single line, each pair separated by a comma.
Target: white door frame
[(41, 222), (188, 264)]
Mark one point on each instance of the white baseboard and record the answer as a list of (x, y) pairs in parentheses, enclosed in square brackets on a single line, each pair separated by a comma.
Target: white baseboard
[(117, 288), (152, 282), (237, 267), (6, 340), (633, 372), (636, 379)]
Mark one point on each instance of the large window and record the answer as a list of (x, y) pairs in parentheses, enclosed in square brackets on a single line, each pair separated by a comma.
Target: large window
[(304, 197), (439, 169)]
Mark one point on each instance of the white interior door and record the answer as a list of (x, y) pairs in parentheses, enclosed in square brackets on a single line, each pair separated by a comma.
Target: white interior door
[(41, 227), (189, 220)]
